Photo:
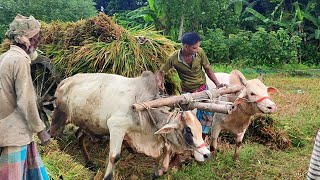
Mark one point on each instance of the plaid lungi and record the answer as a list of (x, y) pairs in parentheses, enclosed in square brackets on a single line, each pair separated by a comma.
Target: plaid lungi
[(21, 162), (205, 117)]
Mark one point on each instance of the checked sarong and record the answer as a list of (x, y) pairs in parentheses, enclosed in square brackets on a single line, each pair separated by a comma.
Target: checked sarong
[(21, 162)]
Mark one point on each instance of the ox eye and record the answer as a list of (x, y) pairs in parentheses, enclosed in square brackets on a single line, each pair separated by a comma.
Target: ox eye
[(252, 94), (187, 130)]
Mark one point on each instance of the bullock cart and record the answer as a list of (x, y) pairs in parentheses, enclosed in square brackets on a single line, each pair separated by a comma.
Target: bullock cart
[(45, 80)]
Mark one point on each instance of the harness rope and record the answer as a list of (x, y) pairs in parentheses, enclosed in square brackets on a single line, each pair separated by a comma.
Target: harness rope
[(245, 112), (256, 101), (167, 121), (209, 94), (188, 97)]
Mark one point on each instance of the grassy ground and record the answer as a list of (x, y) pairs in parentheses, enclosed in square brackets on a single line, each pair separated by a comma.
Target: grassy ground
[(298, 115)]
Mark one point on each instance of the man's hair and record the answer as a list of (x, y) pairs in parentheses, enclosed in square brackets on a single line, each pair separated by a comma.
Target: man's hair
[(190, 38)]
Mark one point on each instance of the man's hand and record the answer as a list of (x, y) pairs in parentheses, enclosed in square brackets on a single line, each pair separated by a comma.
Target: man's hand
[(160, 80), (161, 86), (222, 85), (44, 137)]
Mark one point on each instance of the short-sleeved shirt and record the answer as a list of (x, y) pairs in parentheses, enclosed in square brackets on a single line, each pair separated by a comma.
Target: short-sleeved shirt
[(193, 76)]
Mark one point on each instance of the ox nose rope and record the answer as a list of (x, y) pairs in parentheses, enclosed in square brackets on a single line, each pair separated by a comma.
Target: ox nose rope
[(256, 101), (263, 98), (192, 146), (209, 94), (188, 97)]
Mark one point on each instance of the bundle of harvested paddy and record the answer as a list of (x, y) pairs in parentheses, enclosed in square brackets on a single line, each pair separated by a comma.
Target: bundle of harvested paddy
[(100, 45), (264, 130), (124, 56), (67, 34), (61, 165)]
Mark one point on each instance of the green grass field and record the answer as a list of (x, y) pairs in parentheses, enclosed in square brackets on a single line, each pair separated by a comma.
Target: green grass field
[(298, 116)]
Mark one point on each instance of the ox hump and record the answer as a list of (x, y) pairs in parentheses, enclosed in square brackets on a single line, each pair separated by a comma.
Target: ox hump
[(236, 77), (150, 82)]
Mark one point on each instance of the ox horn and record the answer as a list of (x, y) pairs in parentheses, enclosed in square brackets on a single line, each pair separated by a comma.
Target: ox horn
[(260, 77), (243, 82)]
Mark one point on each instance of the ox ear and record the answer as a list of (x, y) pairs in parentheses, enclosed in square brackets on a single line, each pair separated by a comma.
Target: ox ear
[(239, 101), (168, 128), (272, 90), (241, 96)]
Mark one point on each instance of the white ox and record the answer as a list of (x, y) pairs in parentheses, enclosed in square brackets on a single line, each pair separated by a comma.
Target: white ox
[(253, 99), (100, 104)]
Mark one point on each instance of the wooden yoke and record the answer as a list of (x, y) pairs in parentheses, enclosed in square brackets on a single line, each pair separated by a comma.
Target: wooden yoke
[(213, 106)]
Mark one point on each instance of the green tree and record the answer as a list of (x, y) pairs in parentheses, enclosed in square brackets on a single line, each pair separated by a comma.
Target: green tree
[(45, 10), (151, 14), (193, 15)]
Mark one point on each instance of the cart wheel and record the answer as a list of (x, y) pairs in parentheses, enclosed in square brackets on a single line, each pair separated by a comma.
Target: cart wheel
[(45, 81)]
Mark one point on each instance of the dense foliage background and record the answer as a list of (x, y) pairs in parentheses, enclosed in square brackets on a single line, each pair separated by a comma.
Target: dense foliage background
[(245, 32), (264, 34), (44, 10)]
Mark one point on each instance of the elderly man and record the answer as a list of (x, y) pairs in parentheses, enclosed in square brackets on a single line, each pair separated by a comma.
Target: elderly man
[(19, 117)]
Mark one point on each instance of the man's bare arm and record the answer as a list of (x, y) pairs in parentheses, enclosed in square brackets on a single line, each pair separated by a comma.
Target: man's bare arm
[(211, 75)]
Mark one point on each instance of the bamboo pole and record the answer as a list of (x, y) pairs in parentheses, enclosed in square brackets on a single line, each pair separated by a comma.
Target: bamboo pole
[(215, 101), (185, 98), (212, 107)]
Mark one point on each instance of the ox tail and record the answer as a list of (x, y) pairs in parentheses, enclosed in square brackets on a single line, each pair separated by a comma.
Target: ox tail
[(314, 166)]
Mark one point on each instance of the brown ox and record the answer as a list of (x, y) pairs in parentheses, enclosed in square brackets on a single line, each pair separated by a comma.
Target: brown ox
[(100, 104), (253, 99)]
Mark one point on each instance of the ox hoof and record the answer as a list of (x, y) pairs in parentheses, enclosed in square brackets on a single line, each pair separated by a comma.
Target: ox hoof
[(237, 162), (109, 177), (91, 166), (187, 161), (158, 173), (155, 176), (175, 161), (214, 154)]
